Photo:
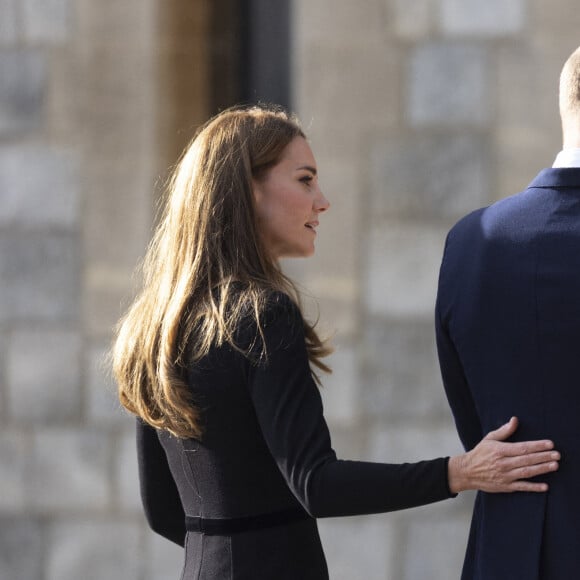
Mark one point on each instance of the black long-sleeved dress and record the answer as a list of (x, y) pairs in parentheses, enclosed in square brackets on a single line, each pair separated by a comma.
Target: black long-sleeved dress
[(243, 501)]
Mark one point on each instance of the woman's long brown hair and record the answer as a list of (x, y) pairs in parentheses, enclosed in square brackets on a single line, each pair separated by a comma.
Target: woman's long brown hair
[(205, 268)]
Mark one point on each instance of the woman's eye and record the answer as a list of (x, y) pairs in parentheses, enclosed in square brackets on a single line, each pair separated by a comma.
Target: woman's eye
[(306, 179)]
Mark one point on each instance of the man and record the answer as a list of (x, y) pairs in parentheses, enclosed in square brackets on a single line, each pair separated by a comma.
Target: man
[(508, 336)]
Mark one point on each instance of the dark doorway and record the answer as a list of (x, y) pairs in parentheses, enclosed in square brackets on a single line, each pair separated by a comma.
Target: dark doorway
[(213, 54)]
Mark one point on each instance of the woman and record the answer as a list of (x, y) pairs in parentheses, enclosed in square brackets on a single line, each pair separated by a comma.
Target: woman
[(216, 360)]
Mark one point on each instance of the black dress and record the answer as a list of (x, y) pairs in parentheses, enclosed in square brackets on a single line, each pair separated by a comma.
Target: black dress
[(265, 469)]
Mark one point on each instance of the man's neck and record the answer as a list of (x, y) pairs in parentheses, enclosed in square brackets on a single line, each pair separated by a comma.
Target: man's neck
[(568, 157)]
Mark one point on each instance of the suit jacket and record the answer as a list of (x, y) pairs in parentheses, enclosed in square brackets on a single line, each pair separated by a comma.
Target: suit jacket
[(266, 449), (508, 337)]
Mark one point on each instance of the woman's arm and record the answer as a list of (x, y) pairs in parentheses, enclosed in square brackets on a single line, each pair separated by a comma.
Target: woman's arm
[(289, 410)]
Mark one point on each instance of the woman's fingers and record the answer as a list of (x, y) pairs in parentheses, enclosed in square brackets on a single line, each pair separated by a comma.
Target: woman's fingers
[(539, 460), (509, 472), (532, 470), (525, 448), (505, 431), (497, 466), (518, 477), (528, 486), (518, 469)]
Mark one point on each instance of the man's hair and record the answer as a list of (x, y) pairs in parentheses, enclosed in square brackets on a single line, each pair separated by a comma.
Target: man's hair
[(570, 85)]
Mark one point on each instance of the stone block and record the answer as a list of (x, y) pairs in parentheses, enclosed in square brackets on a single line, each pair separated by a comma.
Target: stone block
[(491, 18), (400, 372), (126, 472), (117, 227), (361, 547), (116, 231), (449, 85), (8, 20), (164, 559), (515, 171), (413, 20), (429, 176), (333, 301), (21, 549), (340, 389), (108, 292), (337, 23), (46, 21), (44, 375), (115, 102), (63, 104), (15, 453), (525, 98), (435, 549), (23, 79), (402, 269), (38, 187), (39, 276), (69, 471), (3, 395), (93, 550), (102, 401), (338, 111), (555, 23)]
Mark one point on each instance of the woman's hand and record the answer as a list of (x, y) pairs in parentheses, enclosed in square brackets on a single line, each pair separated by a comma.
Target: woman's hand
[(495, 466)]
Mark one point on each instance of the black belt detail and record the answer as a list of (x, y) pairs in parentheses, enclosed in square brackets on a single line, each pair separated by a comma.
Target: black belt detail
[(227, 526)]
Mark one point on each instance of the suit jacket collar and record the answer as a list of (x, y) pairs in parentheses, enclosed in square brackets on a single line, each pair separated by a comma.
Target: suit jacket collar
[(557, 177)]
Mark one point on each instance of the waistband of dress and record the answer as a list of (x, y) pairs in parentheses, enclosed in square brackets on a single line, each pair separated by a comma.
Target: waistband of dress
[(227, 526)]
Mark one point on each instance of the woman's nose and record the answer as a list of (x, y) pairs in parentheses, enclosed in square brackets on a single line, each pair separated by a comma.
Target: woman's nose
[(322, 204)]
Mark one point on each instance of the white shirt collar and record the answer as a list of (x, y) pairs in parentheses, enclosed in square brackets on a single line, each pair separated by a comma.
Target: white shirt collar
[(568, 158)]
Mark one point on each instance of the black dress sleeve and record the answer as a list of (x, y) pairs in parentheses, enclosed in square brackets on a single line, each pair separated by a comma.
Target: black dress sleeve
[(161, 501), (289, 410)]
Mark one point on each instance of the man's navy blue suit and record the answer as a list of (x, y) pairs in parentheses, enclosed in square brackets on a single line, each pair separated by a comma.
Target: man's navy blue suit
[(508, 337)]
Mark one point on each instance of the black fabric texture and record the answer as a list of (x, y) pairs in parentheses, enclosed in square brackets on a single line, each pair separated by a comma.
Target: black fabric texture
[(266, 448)]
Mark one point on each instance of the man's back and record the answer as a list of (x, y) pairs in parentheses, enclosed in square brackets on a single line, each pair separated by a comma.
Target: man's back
[(508, 332)]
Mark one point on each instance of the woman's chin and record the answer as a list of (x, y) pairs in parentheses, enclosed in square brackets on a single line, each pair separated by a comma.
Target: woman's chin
[(297, 253)]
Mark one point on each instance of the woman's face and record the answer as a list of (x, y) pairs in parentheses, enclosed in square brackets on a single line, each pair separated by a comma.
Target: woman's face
[(289, 201)]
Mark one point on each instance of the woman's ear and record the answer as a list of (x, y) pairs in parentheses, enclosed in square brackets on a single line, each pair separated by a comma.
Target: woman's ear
[(257, 191)]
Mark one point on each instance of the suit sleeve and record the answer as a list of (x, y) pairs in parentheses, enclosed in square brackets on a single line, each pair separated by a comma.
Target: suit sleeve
[(289, 410), (161, 501), (454, 380)]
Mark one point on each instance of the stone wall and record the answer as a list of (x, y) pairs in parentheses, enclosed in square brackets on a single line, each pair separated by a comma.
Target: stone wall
[(419, 110), (77, 170)]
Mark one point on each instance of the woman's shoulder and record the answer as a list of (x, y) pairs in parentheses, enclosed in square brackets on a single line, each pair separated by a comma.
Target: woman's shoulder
[(279, 307), (275, 317), (265, 302)]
